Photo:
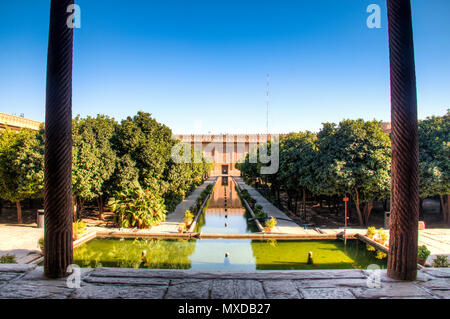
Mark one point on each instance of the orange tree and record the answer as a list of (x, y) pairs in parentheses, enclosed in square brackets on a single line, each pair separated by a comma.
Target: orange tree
[(353, 158), (21, 166), (434, 160)]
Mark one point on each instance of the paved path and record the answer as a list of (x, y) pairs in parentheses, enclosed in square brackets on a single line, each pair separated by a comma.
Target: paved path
[(26, 281), (437, 242), (177, 215), (21, 241), (285, 224)]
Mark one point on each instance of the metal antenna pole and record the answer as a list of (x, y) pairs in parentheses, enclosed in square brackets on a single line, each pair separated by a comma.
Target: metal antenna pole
[(267, 102)]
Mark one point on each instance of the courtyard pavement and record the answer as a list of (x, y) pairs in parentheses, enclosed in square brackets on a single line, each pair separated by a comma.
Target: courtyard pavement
[(20, 241), (177, 216), (27, 281), (285, 224)]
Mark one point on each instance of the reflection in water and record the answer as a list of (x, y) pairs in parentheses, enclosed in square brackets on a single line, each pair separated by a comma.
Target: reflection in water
[(224, 197), (224, 213)]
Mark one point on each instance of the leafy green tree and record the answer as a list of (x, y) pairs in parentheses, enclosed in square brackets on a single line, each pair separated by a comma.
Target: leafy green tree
[(84, 164), (149, 144), (354, 158), (434, 160), (21, 166), (126, 175), (297, 155), (184, 176), (249, 170), (104, 129), (94, 160)]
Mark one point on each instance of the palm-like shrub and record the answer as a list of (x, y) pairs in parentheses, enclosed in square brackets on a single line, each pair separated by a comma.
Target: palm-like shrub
[(139, 208)]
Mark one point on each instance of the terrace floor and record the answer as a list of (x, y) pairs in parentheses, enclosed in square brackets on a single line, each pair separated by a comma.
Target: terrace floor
[(27, 281)]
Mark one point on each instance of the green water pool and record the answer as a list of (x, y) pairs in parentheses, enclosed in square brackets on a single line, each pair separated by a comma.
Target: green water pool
[(224, 214), (209, 254)]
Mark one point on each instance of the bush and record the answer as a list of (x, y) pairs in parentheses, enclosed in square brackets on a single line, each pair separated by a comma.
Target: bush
[(423, 252), (8, 259), (135, 207), (383, 236), (440, 262), (250, 200), (188, 216), (41, 244), (380, 255), (371, 231), (260, 214), (198, 203), (79, 228), (271, 223), (181, 228)]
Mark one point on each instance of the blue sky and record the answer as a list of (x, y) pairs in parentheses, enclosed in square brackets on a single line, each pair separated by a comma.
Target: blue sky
[(200, 66)]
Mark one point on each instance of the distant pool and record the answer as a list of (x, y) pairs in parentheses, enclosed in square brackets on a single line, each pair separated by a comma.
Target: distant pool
[(209, 254)]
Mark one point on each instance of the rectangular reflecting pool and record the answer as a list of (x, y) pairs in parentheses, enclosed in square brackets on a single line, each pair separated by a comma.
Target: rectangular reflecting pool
[(224, 213), (225, 254)]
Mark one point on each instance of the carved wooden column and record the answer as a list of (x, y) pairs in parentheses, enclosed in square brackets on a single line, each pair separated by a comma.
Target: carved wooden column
[(58, 144), (402, 261)]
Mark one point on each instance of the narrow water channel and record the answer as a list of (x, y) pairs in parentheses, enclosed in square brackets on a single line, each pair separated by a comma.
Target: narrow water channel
[(225, 213)]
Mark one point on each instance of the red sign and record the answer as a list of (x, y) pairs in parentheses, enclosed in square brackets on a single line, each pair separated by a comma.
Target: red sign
[(345, 199)]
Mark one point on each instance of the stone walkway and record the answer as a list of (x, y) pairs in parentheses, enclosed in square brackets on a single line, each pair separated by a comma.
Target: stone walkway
[(21, 241), (26, 281), (437, 242), (177, 216), (285, 224)]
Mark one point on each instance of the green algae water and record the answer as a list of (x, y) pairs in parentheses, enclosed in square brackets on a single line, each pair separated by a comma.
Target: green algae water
[(224, 214), (209, 254)]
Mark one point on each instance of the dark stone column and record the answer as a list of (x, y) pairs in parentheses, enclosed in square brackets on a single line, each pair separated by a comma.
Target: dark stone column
[(402, 262), (58, 144)]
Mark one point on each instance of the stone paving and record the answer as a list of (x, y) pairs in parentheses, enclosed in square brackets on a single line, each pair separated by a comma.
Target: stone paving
[(27, 281), (285, 224), (20, 241), (177, 215)]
